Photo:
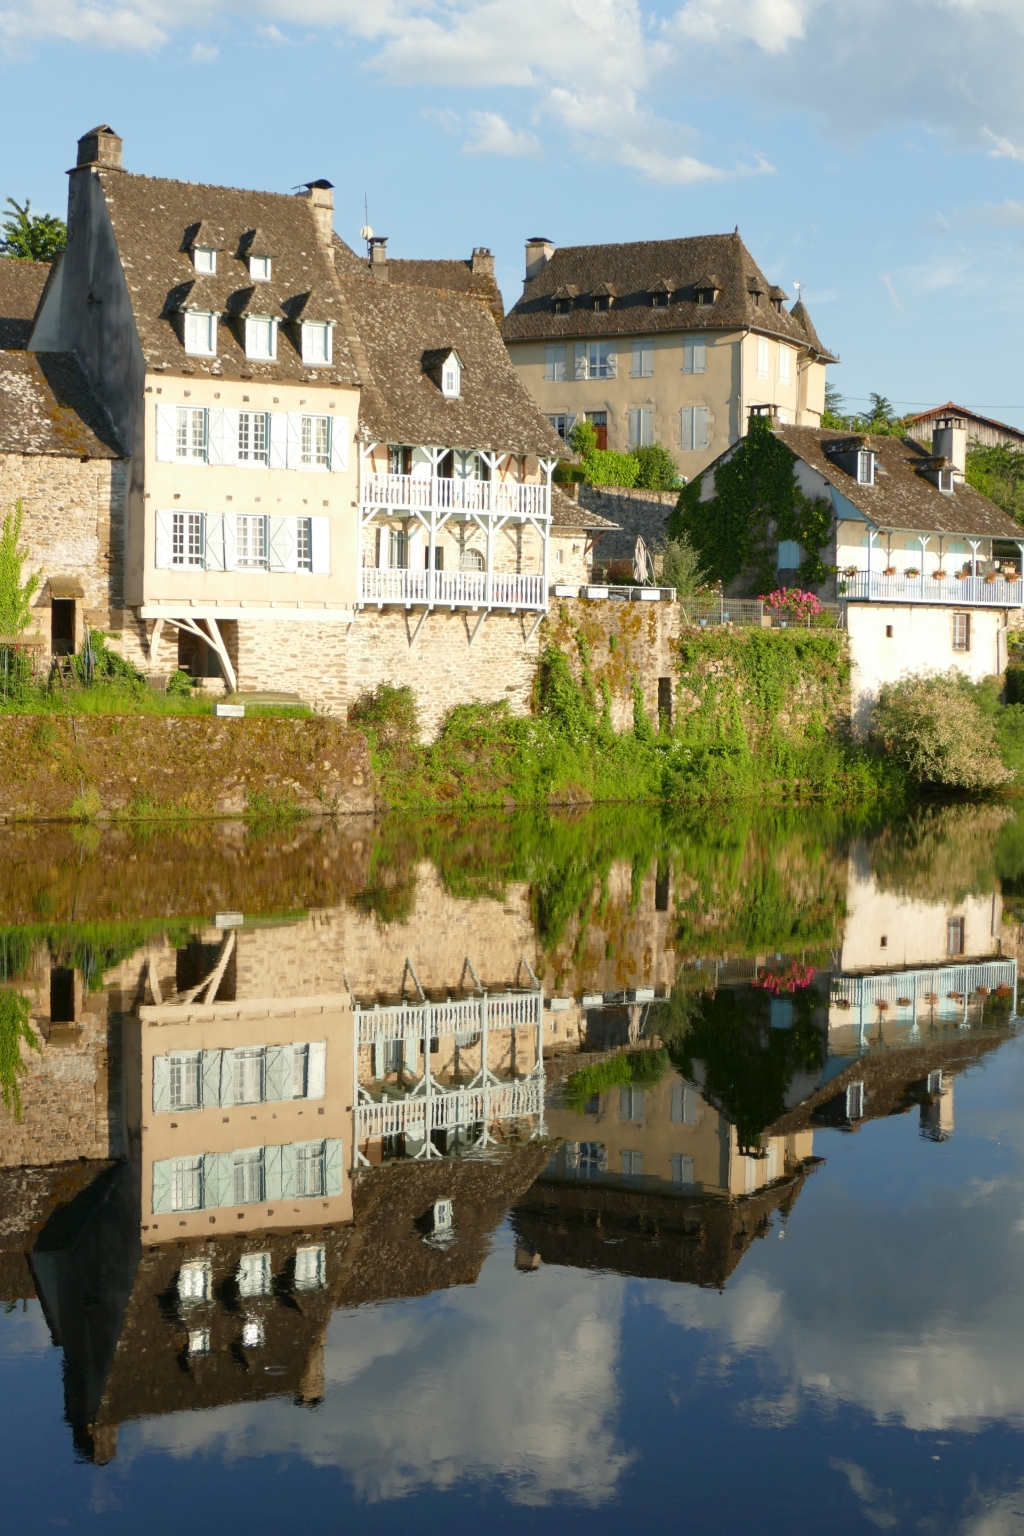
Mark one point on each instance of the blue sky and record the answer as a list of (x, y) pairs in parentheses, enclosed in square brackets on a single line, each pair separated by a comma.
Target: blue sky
[(874, 152)]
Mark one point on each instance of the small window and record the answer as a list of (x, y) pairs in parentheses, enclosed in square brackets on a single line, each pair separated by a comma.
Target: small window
[(248, 1177), (600, 360), (259, 269), (190, 434), (200, 333), (204, 259), (682, 1171), (195, 1281), (187, 1184), (659, 301), (398, 549), (554, 364), (250, 554), (693, 428), (188, 539), (705, 297), (602, 301), (855, 1101), (261, 339), (248, 1080), (865, 467), (304, 543), (631, 1105), (763, 357), (955, 936), (254, 1277), (632, 1165), (471, 560), (451, 379), (317, 344), (961, 631), (785, 354), (789, 555), (186, 1080), (643, 359), (641, 427), (694, 353), (253, 437), (315, 445), (888, 631), (563, 306), (309, 1171), (311, 1268), (946, 481)]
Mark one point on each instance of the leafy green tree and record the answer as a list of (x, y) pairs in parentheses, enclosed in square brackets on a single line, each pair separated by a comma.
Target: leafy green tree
[(28, 236), (935, 728), (15, 595), (881, 419), (681, 567), (998, 473), (657, 468)]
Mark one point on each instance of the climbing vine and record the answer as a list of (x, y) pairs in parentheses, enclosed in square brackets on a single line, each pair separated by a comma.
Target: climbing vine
[(15, 1029), (757, 502)]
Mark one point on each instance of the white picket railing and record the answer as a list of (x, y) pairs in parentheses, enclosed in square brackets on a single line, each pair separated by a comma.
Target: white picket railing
[(412, 493), (947, 990), (965, 591), (418, 1021), (420, 1114), (454, 589)]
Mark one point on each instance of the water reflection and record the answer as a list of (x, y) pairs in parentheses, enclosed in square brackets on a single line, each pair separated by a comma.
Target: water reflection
[(282, 1091)]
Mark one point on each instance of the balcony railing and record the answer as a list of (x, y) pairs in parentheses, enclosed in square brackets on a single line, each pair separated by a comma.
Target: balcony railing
[(438, 1111), (452, 589), (498, 498), (962, 592), (415, 1021), (944, 993)]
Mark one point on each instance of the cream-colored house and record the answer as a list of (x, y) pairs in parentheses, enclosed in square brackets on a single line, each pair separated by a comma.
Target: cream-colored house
[(667, 341)]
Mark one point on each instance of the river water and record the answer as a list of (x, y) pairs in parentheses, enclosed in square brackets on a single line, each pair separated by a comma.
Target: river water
[(552, 1172)]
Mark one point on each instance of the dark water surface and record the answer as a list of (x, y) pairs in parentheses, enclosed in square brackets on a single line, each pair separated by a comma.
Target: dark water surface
[(584, 1172)]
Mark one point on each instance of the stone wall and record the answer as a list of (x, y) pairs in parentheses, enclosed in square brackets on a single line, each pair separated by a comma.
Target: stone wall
[(636, 512), (309, 659)]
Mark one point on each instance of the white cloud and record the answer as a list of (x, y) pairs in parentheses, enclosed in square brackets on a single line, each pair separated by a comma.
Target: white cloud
[(771, 24), (492, 135), (205, 53), (887, 284), (1002, 149)]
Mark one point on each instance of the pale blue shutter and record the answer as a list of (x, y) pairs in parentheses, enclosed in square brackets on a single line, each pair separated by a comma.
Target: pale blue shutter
[(164, 540), (410, 1053), (211, 1062), (581, 360), (287, 1173), (161, 1085), (162, 1178), (700, 425), (227, 1077), (634, 428), (339, 444), (686, 427), (612, 358), (218, 1180), (332, 1167), (294, 429), (166, 433), (229, 437), (278, 1080), (281, 543), (215, 541), (215, 437), (277, 425), (320, 540), (229, 524), (316, 1064), (272, 1182), (699, 353)]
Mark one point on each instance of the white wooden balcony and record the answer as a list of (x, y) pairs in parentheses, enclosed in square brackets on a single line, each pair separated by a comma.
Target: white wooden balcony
[(957, 591), (404, 495), (452, 589), (944, 994), (419, 1114), (416, 1021)]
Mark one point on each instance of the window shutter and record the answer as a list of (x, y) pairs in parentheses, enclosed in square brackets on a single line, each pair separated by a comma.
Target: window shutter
[(699, 353), (581, 360), (321, 545), (277, 424), (227, 1077), (166, 433), (229, 437), (211, 1078), (332, 1167), (273, 1183), (700, 426), (214, 542), (287, 1173), (294, 430), (281, 544), (339, 444), (278, 1078), (215, 437), (316, 1069), (164, 540), (646, 427), (638, 360), (161, 1085), (229, 535), (686, 427), (634, 428), (410, 1053), (613, 361), (218, 1180), (678, 1090), (162, 1175)]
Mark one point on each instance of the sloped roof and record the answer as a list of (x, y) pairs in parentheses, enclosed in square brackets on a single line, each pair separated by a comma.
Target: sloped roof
[(642, 267), (451, 277), (154, 221), (396, 327), (925, 418), (900, 497), (21, 287), (47, 407)]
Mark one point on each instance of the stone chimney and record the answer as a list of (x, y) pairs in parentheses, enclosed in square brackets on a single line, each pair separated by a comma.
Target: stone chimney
[(379, 257), (949, 438), (321, 200), (101, 146), (539, 252), (482, 262)]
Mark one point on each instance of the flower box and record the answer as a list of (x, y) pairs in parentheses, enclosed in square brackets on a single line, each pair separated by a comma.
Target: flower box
[(890, 570), (882, 1005), (931, 997), (990, 579), (1012, 576), (903, 1002), (938, 575), (911, 570)]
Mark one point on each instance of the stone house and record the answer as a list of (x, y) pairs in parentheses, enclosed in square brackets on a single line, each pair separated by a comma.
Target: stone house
[(668, 341)]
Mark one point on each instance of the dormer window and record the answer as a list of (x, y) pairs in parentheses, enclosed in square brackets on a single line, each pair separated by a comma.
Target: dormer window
[(261, 338), (200, 333), (259, 269), (316, 343), (659, 301), (204, 259), (946, 481), (451, 378), (705, 297), (865, 467), (602, 301)]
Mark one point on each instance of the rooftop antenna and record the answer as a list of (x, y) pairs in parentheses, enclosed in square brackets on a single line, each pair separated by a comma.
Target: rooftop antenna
[(366, 233)]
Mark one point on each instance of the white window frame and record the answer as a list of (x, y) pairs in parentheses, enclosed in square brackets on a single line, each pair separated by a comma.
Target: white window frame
[(200, 348), (643, 358), (252, 543), (189, 446), (245, 1063), (451, 379), (304, 544), (256, 328), (764, 358), (311, 1267), (249, 430), (204, 259), (310, 456), (695, 352), (600, 360), (962, 633), (310, 1171), (195, 1281), (249, 1174), (311, 331), (254, 1275), (185, 1067), (554, 363), (865, 466), (186, 1177), (261, 268)]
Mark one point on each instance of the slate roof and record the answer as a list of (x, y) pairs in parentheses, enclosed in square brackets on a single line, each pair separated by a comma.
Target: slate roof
[(900, 497), (155, 221), (21, 287), (641, 267), (450, 277), (396, 328), (47, 407), (567, 513)]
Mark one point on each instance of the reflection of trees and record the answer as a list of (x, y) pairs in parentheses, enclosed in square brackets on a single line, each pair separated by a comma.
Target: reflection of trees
[(943, 853), (747, 1065)]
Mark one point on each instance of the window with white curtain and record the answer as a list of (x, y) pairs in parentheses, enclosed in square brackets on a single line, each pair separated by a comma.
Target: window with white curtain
[(253, 437), (187, 1184), (247, 1084), (200, 333), (311, 1268), (250, 542), (248, 1177), (195, 1281), (190, 433), (309, 1170), (315, 440), (599, 360), (254, 1275), (186, 1080)]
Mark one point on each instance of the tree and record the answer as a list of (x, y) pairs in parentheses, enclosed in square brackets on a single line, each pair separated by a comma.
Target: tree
[(881, 419), (681, 567), (15, 596), (657, 468), (28, 236), (998, 473)]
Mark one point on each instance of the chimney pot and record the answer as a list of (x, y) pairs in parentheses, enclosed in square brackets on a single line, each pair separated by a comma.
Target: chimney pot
[(482, 263), (539, 251), (101, 146), (949, 438), (379, 257)]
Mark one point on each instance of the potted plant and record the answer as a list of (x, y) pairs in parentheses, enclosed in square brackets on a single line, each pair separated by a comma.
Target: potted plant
[(851, 570), (890, 570), (931, 997), (882, 1005), (990, 578), (903, 1002), (912, 570), (1012, 575), (938, 575)]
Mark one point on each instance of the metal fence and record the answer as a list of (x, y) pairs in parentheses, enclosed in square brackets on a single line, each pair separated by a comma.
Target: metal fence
[(750, 612)]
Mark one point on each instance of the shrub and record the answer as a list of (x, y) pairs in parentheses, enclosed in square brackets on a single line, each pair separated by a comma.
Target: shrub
[(680, 567), (935, 728), (605, 467), (179, 684), (657, 471), (389, 711), (15, 596)]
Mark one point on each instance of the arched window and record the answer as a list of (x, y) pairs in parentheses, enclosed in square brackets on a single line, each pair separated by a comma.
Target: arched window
[(471, 560)]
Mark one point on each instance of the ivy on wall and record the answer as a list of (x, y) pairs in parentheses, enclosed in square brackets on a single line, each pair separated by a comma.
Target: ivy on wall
[(757, 503)]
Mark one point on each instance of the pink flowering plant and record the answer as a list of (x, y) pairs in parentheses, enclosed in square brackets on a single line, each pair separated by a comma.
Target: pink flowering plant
[(802, 605), (794, 979)]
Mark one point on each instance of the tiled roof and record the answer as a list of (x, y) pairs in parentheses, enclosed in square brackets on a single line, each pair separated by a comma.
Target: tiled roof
[(901, 497), (47, 407), (155, 221), (566, 513), (396, 327), (452, 277), (21, 286), (642, 267)]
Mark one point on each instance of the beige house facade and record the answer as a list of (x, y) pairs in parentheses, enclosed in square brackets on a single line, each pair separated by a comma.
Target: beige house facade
[(672, 342)]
